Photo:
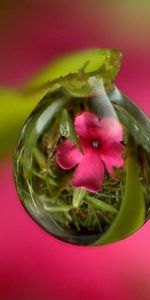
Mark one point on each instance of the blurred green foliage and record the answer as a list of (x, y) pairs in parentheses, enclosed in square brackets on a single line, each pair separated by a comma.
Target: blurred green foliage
[(14, 109)]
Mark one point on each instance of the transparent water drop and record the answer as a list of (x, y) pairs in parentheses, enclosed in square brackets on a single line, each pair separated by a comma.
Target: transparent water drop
[(82, 161)]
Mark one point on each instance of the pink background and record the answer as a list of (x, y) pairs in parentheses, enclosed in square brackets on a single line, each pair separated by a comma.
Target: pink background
[(34, 265)]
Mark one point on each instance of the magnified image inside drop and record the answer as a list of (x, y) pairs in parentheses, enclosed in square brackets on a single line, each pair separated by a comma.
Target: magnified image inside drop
[(82, 165)]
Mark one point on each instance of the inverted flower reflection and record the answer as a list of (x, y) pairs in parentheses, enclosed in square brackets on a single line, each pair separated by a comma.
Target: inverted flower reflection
[(100, 142)]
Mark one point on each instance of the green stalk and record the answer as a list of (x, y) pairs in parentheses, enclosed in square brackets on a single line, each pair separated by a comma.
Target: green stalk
[(58, 208), (98, 204)]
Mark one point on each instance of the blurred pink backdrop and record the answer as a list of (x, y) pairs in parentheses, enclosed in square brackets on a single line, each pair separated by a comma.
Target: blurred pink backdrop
[(34, 265)]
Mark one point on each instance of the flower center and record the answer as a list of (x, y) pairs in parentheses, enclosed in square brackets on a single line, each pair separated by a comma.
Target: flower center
[(96, 144)]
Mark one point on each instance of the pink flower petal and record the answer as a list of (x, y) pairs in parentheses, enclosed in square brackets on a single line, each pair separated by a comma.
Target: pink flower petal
[(111, 130), (89, 173), (112, 156), (87, 125), (68, 155)]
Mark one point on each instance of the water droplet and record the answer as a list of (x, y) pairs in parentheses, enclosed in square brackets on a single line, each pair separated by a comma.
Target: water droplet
[(77, 191)]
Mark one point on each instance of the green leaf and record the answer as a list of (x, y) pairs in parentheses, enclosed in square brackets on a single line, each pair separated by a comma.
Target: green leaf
[(67, 129), (40, 158), (132, 212), (101, 61), (98, 204), (78, 196), (138, 131), (40, 120), (72, 63)]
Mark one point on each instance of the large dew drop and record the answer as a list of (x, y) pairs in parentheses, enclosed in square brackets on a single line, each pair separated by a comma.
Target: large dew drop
[(82, 160)]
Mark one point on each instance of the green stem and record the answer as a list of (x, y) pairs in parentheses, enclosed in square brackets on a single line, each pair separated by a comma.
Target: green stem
[(58, 208), (98, 204)]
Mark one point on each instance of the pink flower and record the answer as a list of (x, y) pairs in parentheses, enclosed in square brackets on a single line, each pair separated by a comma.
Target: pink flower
[(100, 142)]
